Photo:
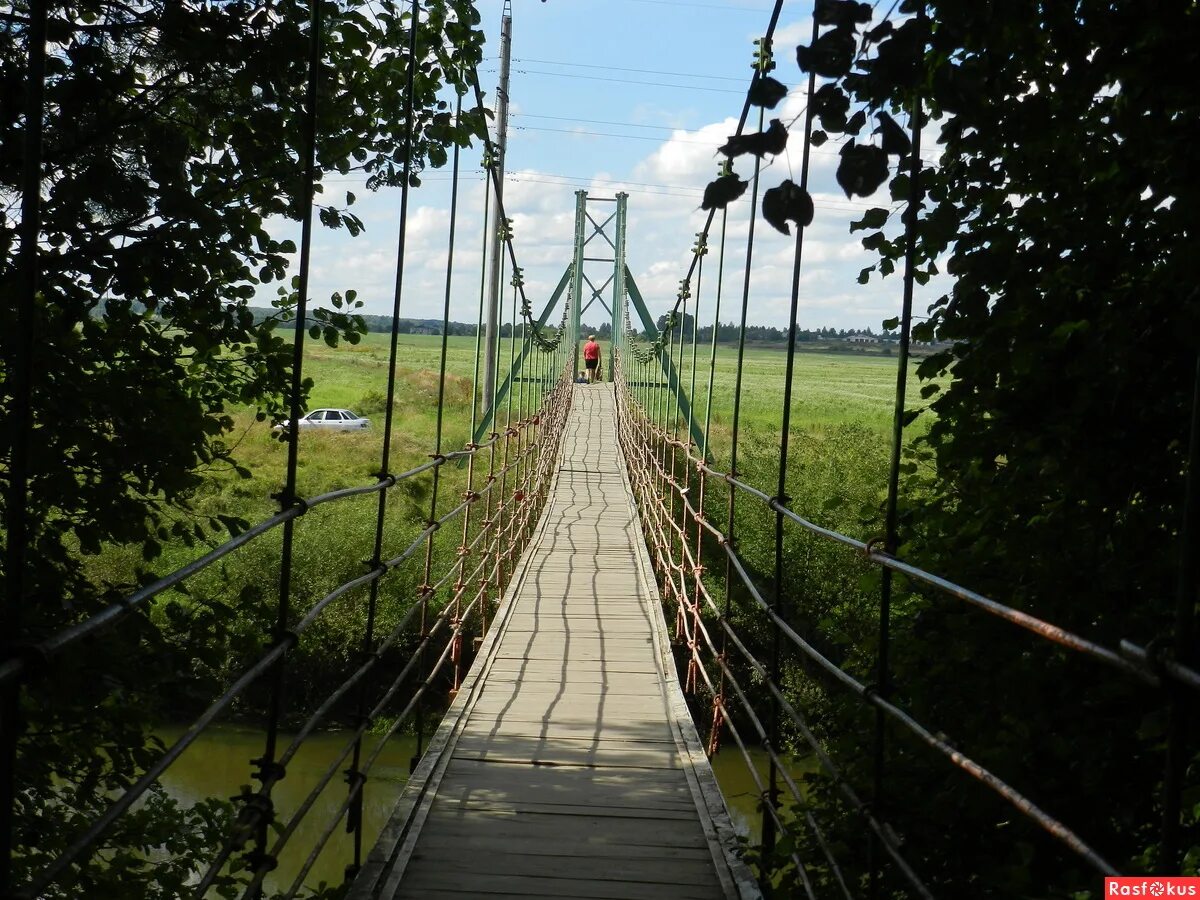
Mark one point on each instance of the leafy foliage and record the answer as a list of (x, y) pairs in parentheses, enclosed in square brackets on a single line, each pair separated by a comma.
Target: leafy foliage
[(173, 139), (1050, 476)]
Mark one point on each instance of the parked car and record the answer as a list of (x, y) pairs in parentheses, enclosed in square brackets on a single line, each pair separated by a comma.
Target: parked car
[(329, 420)]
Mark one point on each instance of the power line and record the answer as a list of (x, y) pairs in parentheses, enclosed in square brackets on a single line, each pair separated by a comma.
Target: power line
[(669, 190), (629, 137), (642, 137), (551, 62), (746, 9), (686, 87), (603, 122)]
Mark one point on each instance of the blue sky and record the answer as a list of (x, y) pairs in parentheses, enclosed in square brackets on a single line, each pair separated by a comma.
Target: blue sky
[(631, 95)]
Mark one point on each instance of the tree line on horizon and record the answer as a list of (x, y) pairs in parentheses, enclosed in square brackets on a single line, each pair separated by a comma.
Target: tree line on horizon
[(727, 332)]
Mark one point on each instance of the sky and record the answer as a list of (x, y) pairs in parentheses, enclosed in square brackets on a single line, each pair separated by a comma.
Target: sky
[(633, 96)]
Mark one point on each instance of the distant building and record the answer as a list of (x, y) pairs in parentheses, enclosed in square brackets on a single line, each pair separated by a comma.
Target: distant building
[(862, 339)]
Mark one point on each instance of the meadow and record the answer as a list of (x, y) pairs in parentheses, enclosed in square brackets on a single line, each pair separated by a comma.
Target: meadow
[(834, 394), (840, 438)]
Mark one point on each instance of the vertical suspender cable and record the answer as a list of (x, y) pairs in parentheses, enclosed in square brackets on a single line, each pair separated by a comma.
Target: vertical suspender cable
[(506, 505), (712, 359), (287, 497), (20, 386), (882, 672), (441, 397), (714, 732), (695, 331), (730, 532), (385, 457), (476, 399), (481, 390), (676, 373), (785, 438)]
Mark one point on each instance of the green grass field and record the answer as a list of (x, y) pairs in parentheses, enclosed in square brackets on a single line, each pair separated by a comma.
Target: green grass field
[(839, 398), (840, 439)]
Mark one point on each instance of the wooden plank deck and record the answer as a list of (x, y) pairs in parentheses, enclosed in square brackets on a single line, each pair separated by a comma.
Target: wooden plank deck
[(568, 765)]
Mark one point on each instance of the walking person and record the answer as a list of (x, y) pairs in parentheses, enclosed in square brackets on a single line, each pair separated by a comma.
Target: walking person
[(591, 359)]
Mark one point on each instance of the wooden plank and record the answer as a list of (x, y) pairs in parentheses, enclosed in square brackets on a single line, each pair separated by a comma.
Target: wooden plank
[(554, 668), (585, 831), (471, 884), (611, 754), (564, 769), (551, 782), (438, 840), (581, 866), (562, 726)]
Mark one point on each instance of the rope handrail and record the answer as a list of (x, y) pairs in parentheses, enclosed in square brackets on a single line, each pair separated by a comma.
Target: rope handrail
[(867, 694), (32, 655), (273, 654), (886, 838), (519, 458), (1132, 659), (671, 506)]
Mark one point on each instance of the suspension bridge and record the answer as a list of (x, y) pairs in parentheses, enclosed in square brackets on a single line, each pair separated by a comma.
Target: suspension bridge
[(621, 639)]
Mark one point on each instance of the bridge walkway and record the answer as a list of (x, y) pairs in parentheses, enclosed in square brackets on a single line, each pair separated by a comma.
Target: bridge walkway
[(568, 765)]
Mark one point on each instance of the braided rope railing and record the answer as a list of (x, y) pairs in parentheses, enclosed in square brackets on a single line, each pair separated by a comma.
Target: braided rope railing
[(507, 479), (674, 479)]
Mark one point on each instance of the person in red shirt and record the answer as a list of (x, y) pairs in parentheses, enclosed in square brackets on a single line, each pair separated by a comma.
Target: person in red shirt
[(591, 359)]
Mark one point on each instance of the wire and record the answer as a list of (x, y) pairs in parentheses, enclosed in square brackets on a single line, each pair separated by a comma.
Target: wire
[(631, 137), (686, 87), (601, 122), (747, 9), (550, 62)]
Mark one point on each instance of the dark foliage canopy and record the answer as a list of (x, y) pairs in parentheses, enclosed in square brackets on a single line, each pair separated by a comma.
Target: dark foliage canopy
[(1059, 199), (173, 147)]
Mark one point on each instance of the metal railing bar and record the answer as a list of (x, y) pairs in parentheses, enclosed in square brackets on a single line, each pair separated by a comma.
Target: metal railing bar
[(319, 786), (54, 644), (1178, 671), (59, 641), (340, 494), (1023, 804), (50, 874), (340, 590), (1030, 623), (355, 788)]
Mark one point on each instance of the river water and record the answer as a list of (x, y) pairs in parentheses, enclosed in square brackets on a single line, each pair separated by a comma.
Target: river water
[(218, 764)]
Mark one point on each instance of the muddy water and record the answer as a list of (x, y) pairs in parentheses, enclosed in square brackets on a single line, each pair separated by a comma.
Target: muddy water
[(218, 764)]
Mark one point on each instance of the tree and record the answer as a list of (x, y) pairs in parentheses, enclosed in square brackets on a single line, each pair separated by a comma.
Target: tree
[(1051, 472), (173, 134)]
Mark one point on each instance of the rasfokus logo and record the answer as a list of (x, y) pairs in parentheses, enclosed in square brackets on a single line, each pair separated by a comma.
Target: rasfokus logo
[(1151, 886)]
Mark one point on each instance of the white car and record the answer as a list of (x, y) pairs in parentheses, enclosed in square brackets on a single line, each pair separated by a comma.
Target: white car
[(329, 420)]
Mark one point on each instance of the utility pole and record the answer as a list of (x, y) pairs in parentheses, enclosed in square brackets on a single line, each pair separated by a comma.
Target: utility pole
[(495, 222)]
